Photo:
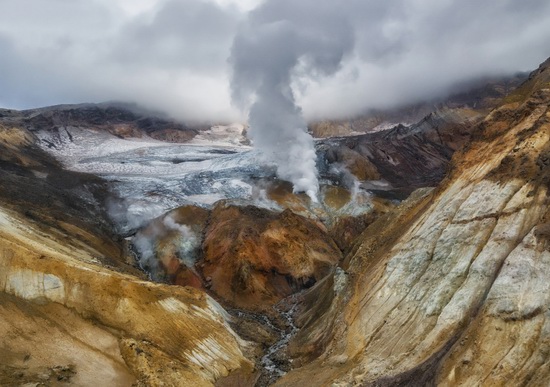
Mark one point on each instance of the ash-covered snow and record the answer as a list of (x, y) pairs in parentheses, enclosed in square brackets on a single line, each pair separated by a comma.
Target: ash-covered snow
[(149, 177), (70, 144)]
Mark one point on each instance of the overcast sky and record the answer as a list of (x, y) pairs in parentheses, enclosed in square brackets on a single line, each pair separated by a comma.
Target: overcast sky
[(173, 55)]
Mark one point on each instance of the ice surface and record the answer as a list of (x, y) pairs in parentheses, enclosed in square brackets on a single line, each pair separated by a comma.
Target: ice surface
[(148, 174), (148, 177)]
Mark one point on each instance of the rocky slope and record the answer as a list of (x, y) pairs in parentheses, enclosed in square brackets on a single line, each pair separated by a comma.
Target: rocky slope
[(119, 119), (248, 257), (403, 158), (255, 257), (452, 287)]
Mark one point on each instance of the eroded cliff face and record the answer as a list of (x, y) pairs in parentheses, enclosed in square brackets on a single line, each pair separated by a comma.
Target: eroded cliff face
[(452, 287)]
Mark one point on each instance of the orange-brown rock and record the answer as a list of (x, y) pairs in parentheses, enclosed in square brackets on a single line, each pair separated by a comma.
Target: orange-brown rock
[(255, 257), (358, 165), (346, 229), (168, 252), (348, 214), (281, 193), (335, 197), (186, 277), (169, 245)]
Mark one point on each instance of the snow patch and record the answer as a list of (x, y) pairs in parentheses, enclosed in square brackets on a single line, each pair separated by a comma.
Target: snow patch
[(174, 305), (31, 285)]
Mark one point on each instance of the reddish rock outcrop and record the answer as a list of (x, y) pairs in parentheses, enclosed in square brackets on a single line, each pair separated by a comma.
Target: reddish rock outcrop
[(255, 257)]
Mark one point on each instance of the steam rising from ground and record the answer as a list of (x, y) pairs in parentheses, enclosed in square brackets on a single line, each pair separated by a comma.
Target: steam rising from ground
[(146, 243), (281, 43), (131, 214)]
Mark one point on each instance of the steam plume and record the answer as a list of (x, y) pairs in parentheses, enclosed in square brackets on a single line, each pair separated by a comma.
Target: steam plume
[(283, 41), (146, 240)]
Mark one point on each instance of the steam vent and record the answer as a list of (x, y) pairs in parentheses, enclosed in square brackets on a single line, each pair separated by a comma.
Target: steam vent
[(276, 193)]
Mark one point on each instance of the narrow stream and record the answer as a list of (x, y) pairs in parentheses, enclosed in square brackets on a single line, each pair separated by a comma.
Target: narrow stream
[(271, 361)]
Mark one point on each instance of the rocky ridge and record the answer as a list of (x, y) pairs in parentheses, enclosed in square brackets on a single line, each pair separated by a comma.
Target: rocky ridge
[(403, 158), (451, 288), (474, 98), (120, 119)]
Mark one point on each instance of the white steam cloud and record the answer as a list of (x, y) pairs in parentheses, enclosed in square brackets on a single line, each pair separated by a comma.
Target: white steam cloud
[(188, 242), (283, 42), (171, 55), (131, 214), (146, 244)]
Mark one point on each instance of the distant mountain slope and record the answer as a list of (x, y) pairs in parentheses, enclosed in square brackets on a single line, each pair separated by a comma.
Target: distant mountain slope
[(476, 98), (404, 157), (120, 119)]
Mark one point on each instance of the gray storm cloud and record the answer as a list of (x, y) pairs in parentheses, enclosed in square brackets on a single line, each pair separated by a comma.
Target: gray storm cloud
[(282, 42), (172, 55)]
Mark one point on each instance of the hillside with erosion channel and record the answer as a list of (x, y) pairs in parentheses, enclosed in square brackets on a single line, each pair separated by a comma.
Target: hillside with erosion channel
[(139, 250)]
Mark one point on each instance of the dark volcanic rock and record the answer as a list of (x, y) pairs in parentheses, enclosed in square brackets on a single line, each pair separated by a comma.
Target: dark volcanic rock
[(406, 157)]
